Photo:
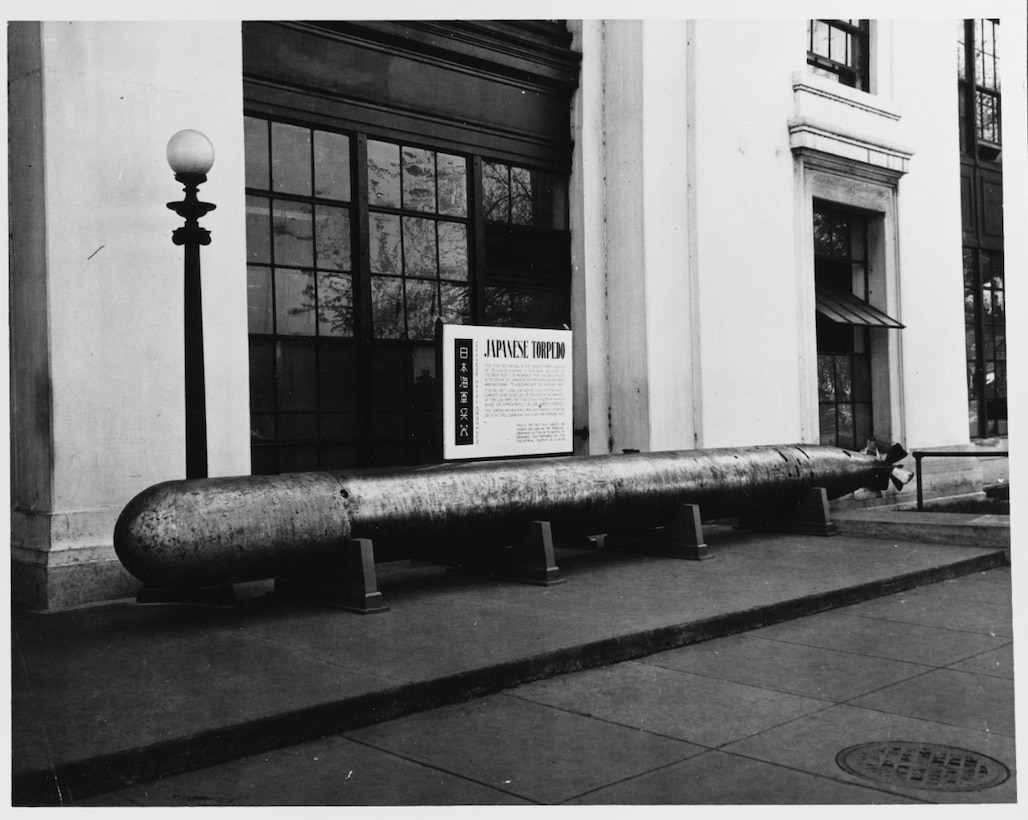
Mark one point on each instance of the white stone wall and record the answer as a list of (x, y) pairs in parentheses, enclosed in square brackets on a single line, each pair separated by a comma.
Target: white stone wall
[(112, 95)]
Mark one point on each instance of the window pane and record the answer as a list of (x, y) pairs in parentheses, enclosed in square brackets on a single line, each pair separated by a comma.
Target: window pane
[(419, 247), (335, 304), (383, 174), (424, 396), (820, 38), (419, 179), (387, 307), (255, 150), (331, 165), (827, 428), (422, 309), (263, 461), (552, 201), (337, 377), (262, 376), (389, 426), (863, 427), (297, 427), (299, 459), (333, 233), (840, 235), (453, 185), (336, 426), (453, 250), (826, 378), (294, 234), (838, 46), (521, 210), (455, 304), (843, 378), (844, 420), (822, 233), (290, 159), (262, 427), (999, 313), (258, 229), (524, 307), (495, 192), (258, 300), (388, 364), (296, 376), (294, 302), (337, 457), (384, 238), (861, 379)]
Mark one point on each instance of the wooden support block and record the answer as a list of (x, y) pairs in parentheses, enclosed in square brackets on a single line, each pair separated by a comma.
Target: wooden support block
[(531, 560), (349, 583), (681, 537), (811, 517)]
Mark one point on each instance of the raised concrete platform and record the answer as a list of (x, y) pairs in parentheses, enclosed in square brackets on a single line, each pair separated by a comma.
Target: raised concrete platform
[(112, 695)]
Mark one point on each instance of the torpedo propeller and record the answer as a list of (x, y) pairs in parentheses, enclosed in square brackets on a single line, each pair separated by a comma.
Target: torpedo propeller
[(891, 471)]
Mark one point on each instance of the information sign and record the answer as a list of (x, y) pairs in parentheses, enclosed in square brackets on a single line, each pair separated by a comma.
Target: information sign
[(506, 391)]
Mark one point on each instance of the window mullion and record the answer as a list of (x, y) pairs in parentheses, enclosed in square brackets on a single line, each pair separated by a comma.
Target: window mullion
[(476, 238)]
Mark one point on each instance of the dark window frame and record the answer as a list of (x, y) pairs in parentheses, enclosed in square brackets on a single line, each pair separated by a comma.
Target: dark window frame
[(405, 431), (854, 69), (978, 82), (844, 349)]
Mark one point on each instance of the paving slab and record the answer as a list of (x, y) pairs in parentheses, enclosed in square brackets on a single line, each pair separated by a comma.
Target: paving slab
[(118, 694), (333, 771), (676, 704), (998, 662), (788, 667), (981, 702), (716, 778), (876, 638), (940, 605), (522, 748)]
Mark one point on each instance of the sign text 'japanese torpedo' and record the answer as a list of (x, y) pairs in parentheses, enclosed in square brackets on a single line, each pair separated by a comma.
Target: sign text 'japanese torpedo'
[(506, 391)]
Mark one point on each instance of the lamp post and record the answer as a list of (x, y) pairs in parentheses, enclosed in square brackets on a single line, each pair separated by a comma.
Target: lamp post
[(191, 155)]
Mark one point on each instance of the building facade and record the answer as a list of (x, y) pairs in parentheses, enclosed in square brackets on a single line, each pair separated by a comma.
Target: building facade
[(804, 245)]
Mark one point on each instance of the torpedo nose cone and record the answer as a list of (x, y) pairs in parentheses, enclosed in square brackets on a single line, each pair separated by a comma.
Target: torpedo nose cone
[(216, 531)]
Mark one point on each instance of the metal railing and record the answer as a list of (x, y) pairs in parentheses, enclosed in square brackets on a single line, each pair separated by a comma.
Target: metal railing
[(922, 454)]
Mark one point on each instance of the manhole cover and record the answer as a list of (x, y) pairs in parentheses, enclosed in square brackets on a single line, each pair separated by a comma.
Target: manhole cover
[(923, 766)]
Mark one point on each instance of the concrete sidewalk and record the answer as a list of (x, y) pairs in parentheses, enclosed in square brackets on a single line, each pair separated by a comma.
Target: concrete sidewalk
[(123, 694)]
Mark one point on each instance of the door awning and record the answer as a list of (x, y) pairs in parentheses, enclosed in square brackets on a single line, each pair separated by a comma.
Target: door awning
[(848, 309)]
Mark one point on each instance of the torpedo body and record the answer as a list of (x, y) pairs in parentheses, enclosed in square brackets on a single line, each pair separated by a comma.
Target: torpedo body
[(223, 530)]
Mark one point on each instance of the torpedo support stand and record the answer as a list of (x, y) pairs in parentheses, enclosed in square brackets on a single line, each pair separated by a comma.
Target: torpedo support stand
[(681, 537), (811, 517), (529, 560), (348, 583)]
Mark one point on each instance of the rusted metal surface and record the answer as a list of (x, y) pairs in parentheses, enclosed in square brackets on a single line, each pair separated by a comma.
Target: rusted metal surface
[(224, 530)]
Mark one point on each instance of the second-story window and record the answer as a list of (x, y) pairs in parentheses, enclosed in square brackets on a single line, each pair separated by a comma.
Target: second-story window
[(979, 88), (839, 50)]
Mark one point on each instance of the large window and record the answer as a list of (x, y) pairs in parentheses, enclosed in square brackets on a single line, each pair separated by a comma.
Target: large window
[(978, 83), (978, 92), (985, 325), (356, 246), (843, 347), (839, 50)]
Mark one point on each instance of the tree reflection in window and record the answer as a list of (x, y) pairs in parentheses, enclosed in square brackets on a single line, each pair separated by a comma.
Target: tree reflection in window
[(418, 239)]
